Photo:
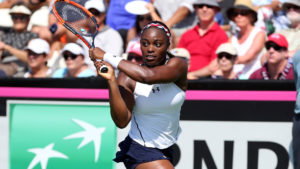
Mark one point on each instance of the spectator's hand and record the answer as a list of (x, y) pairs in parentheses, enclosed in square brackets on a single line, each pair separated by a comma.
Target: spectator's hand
[(150, 7), (191, 76)]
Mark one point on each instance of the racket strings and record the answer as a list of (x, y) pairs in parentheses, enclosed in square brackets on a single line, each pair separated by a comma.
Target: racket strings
[(76, 18)]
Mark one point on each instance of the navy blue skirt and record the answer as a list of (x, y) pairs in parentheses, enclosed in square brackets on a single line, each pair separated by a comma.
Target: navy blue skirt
[(132, 153)]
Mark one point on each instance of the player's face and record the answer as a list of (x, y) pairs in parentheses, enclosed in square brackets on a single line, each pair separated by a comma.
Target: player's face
[(154, 45)]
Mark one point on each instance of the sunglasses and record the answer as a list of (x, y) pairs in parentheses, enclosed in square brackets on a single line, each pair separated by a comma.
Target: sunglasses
[(142, 18), (95, 12), (274, 46), (240, 12), (136, 58), (67, 55), (200, 6), (289, 7), (19, 17), (31, 53), (226, 55)]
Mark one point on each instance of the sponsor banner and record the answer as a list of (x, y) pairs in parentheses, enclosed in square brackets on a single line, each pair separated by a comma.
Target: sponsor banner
[(51, 135), (234, 145)]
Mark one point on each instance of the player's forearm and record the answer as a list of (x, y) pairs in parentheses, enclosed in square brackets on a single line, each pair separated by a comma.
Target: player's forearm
[(119, 111)]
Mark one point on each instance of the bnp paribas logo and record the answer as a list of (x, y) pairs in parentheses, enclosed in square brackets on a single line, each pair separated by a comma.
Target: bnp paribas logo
[(89, 134), (62, 137)]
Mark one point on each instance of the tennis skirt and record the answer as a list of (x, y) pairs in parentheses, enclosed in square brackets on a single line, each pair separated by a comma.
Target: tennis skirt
[(132, 153)]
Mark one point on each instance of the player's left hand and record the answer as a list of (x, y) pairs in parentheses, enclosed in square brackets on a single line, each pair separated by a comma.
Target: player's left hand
[(109, 75)]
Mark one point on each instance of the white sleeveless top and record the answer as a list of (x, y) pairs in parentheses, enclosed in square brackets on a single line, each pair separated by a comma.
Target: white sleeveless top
[(245, 70), (155, 118)]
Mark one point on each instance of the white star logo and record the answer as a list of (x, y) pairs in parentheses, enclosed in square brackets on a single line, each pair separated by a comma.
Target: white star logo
[(43, 154), (90, 134)]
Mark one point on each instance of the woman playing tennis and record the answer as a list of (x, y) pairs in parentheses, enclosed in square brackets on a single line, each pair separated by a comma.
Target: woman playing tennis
[(149, 96)]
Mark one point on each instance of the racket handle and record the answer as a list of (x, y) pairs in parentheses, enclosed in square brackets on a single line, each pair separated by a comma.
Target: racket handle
[(103, 69)]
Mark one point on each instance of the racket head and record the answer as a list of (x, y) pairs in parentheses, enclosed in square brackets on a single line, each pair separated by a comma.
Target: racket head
[(76, 19)]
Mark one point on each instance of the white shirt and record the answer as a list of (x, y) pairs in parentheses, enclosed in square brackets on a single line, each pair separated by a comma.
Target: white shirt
[(156, 113)]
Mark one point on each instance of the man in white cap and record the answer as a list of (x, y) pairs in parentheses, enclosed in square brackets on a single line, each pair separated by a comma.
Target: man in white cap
[(74, 57), (37, 55), (107, 39), (12, 46)]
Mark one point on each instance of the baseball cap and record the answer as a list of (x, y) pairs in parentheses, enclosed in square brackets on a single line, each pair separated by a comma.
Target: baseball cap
[(38, 46), (134, 47), (292, 2), (180, 52), (137, 7), (279, 39), (227, 48), (73, 48), (20, 9), (213, 3), (99, 5)]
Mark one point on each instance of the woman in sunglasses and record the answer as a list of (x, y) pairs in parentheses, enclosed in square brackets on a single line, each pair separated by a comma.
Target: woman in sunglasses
[(226, 57), (249, 40), (73, 55)]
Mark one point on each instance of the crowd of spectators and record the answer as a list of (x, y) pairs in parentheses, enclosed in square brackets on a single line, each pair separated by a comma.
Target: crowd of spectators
[(232, 39)]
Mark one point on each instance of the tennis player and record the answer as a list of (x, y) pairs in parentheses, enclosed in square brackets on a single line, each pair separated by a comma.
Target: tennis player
[(149, 96)]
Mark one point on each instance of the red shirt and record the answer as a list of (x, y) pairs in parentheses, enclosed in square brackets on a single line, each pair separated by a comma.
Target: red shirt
[(202, 48), (262, 73)]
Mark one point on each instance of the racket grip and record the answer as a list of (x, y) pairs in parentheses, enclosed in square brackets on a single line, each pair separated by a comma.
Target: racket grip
[(103, 69)]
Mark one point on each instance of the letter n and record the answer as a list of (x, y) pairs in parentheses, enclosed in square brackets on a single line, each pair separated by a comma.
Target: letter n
[(201, 152)]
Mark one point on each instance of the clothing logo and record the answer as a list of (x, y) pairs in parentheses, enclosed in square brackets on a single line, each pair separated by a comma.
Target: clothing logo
[(155, 90), (61, 136)]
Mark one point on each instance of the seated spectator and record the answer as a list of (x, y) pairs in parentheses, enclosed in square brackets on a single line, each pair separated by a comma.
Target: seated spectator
[(14, 57), (249, 40), (227, 55), (74, 56), (145, 12), (107, 39), (203, 40), (134, 52), (178, 15), (292, 34), (278, 65), (37, 54), (119, 19)]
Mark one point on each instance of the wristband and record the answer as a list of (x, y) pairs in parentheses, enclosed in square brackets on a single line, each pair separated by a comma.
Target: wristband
[(112, 59)]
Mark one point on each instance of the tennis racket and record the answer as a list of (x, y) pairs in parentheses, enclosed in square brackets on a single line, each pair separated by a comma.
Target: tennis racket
[(79, 21)]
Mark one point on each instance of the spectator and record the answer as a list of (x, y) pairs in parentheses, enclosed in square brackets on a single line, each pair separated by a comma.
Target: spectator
[(227, 55), (14, 57), (292, 8), (119, 19), (37, 54), (179, 15), (74, 56), (107, 39), (278, 65), (134, 52), (203, 40), (249, 40), (145, 12)]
